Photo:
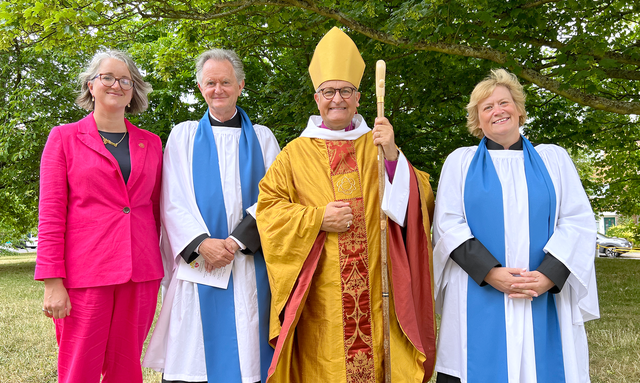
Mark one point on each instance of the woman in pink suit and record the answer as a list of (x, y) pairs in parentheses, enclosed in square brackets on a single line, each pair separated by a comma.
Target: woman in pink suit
[(98, 251)]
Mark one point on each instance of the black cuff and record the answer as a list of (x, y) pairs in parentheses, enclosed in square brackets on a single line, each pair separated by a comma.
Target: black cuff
[(189, 252), (475, 260), (555, 270), (247, 233)]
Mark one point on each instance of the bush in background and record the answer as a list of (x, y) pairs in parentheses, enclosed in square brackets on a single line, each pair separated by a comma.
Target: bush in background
[(626, 228)]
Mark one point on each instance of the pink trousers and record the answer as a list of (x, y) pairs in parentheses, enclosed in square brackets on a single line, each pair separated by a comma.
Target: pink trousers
[(105, 333)]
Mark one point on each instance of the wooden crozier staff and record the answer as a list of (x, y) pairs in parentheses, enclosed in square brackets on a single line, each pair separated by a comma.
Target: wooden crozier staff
[(380, 75)]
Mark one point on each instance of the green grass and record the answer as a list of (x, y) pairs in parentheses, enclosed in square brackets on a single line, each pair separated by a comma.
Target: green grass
[(28, 346), (614, 339), (28, 349)]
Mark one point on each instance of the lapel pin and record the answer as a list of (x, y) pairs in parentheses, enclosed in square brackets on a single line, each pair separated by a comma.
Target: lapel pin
[(141, 145)]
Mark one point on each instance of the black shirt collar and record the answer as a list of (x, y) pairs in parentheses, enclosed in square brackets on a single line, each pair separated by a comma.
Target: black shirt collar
[(234, 122), (492, 145)]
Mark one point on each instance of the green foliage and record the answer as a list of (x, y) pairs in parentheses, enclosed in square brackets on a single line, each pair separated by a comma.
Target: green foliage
[(626, 228), (581, 77), (37, 95)]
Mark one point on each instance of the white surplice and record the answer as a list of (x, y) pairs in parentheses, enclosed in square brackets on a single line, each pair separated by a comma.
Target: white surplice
[(177, 347), (572, 243)]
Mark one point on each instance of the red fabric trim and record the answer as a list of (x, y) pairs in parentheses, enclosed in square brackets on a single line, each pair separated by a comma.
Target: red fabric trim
[(342, 157), (354, 277), (411, 279), (353, 251), (297, 299)]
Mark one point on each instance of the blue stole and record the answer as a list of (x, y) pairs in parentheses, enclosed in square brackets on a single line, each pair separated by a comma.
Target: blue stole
[(216, 305), (486, 334)]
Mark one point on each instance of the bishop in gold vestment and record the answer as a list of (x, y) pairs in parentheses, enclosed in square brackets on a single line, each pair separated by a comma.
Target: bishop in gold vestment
[(318, 216)]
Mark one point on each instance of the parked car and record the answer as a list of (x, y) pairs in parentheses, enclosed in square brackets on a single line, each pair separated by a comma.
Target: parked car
[(31, 242), (19, 244), (608, 246)]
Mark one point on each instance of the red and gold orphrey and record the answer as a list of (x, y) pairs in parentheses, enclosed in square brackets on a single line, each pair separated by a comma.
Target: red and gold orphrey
[(354, 265)]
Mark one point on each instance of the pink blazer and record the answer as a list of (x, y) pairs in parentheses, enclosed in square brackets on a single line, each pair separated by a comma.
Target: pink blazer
[(94, 229)]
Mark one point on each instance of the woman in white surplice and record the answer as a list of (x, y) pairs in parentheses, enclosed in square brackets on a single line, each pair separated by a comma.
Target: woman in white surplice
[(514, 238)]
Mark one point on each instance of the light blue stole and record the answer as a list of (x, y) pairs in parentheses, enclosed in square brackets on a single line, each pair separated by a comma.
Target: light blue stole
[(216, 305), (486, 334)]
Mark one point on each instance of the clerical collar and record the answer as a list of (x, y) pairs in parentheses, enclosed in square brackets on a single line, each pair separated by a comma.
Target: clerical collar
[(492, 145), (234, 122), (350, 127)]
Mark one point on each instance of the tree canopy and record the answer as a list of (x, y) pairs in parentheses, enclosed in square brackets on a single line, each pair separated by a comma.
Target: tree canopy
[(579, 61)]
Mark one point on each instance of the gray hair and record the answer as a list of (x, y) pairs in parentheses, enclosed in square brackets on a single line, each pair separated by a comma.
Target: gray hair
[(218, 54), (139, 100)]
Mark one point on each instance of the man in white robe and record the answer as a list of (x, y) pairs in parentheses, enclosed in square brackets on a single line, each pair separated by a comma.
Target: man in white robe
[(183, 347)]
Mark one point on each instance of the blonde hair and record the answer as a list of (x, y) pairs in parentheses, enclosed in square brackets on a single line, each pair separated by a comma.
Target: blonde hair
[(497, 77), (139, 101)]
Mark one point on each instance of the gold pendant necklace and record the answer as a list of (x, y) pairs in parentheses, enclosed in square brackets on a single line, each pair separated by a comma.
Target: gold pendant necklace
[(108, 141)]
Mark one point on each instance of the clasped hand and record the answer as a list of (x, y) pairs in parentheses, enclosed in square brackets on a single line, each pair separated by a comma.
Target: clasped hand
[(518, 283), (338, 217), (217, 252)]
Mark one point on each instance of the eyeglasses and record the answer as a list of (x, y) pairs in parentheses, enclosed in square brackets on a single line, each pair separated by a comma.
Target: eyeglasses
[(345, 93), (109, 80)]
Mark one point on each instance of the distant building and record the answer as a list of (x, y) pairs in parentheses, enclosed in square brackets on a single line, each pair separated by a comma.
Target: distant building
[(605, 220)]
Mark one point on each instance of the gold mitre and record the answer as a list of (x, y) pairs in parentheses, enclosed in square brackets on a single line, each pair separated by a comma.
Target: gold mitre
[(336, 58)]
